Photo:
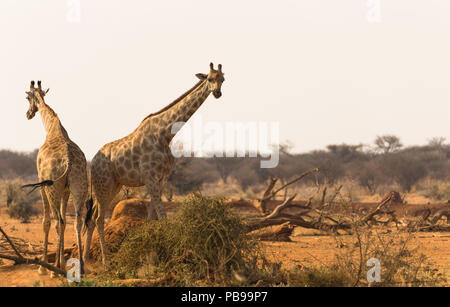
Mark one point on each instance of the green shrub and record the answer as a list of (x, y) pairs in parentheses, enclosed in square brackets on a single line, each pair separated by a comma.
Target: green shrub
[(439, 192), (19, 204), (328, 276), (205, 241)]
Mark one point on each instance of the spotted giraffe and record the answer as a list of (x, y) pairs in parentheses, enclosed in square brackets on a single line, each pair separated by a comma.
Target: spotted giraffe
[(62, 172), (143, 158)]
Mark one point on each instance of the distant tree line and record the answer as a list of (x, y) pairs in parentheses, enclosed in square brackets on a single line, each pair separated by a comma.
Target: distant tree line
[(385, 162), (17, 164)]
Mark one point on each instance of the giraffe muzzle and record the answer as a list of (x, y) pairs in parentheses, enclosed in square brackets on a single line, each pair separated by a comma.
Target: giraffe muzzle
[(217, 94)]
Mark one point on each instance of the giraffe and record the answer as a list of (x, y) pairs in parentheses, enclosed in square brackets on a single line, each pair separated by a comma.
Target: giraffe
[(62, 172), (144, 158)]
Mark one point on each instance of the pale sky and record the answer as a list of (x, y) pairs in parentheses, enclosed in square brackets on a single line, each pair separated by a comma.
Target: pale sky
[(318, 67)]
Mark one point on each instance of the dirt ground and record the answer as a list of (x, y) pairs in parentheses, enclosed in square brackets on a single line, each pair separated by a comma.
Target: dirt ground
[(307, 247)]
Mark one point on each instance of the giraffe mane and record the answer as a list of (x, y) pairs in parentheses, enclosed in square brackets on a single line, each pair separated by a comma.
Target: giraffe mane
[(176, 100), (53, 113), (51, 110)]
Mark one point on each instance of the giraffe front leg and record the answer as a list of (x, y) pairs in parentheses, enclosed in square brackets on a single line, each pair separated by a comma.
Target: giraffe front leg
[(46, 223), (100, 223), (155, 205)]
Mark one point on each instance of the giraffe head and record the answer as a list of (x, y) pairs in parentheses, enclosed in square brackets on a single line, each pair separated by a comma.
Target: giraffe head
[(214, 78), (35, 97)]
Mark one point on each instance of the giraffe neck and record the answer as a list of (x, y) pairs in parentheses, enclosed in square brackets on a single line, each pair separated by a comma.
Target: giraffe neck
[(188, 106), (179, 112), (51, 121)]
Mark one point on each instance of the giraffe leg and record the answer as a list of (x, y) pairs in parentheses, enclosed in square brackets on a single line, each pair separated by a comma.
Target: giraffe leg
[(77, 203), (100, 223), (78, 185), (54, 197), (88, 239), (58, 232), (58, 226), (46, 223), (104, 201), (155, 206), (64, 202)]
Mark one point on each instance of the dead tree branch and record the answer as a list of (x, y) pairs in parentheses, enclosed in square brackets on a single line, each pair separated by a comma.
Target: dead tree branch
[(19, 259), (318, 217), (261, 204)]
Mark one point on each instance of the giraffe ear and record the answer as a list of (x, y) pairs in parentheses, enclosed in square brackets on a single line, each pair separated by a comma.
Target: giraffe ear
[(46, 91), (201, 76)]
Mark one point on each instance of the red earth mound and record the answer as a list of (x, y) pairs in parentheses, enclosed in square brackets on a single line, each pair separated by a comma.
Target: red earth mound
[(127, 215)]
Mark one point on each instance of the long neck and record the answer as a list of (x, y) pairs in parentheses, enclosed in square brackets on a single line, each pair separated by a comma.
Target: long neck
[(179, 112), (182, 111), (51, 121)]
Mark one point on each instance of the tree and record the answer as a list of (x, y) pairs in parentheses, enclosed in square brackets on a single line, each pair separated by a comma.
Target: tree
[(437, 142), (388, 143), (407, 169), (189, 174), (226, 165), (346, 153), (248, 173), (368, 175)]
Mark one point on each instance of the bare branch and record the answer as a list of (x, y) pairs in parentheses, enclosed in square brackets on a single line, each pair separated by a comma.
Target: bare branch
[(270, 195), (22, 260), (278, 209), (10, 243), (19, 259)]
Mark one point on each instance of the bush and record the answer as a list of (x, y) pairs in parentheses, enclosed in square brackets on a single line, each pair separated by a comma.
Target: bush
[(401, 263), (439, 192), (328, 276), (19, 204), (205, 241), (189, 174), (407, 169)]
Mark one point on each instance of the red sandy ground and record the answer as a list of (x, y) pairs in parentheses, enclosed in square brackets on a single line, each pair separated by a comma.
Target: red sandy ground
[(307, 247)]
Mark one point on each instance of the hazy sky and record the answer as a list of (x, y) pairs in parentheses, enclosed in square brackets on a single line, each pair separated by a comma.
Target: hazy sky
[(318, 67)]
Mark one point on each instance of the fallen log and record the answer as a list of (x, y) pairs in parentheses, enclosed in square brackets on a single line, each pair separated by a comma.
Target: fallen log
[(316, 217), (279, 233)]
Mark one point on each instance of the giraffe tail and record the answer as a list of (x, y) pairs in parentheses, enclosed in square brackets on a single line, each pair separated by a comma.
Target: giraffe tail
[(34, 186), (89, 213)]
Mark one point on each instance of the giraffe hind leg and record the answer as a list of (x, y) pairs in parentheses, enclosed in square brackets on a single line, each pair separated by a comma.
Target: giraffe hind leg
[(54, 196), (63, 208), (46, 223)]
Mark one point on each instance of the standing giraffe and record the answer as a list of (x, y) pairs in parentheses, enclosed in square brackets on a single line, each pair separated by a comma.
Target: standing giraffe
[(62, 172), (143, 158)]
